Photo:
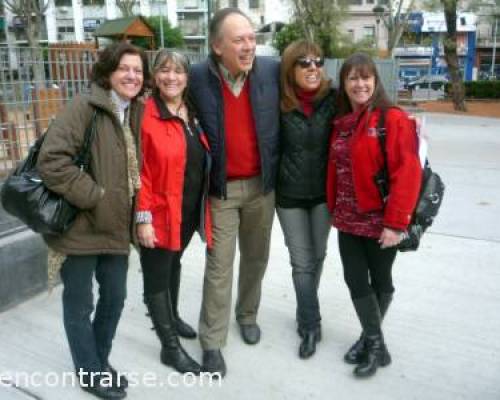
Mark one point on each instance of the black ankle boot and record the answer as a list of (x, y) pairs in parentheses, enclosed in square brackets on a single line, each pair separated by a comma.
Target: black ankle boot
[(376, 356), (357, 352), (309, 339), (172, 353)]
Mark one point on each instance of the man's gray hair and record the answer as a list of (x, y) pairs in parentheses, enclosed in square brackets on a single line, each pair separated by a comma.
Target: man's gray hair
[(218, 19)]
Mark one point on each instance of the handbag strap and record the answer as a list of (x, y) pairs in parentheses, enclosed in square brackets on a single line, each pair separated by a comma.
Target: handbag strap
[(83, 158), (381, 136)]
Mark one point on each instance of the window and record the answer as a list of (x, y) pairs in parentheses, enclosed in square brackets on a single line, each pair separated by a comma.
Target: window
[(355, 2), (233, 3), (370, 1), (253, 3), (369, 31), (65, 3), (93, 2), (350, 34)]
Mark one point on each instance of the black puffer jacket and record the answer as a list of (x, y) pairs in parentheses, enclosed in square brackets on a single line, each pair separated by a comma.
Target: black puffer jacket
[(304, 153)]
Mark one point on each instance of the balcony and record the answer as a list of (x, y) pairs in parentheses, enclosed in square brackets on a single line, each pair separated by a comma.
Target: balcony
[(192, 6), (488, 41), (413, 51)]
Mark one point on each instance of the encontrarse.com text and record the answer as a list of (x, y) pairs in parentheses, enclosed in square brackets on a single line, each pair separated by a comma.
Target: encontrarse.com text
[(146, 379)]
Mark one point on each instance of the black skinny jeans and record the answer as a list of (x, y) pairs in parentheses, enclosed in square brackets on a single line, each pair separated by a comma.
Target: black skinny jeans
[(367, 267)]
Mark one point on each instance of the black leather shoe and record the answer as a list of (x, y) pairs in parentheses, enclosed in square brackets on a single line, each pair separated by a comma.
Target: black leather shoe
[(250, 333), (119, 380), (308, 346), (102, 390), (214, 363), (184, 330)]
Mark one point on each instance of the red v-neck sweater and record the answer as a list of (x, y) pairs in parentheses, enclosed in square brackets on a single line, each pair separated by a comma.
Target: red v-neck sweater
[(242, 150)]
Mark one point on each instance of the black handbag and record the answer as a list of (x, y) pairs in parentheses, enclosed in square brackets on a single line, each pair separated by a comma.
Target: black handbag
[(429, 199), (25, 196)]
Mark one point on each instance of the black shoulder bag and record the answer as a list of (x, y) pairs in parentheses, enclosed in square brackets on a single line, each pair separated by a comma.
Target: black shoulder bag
[(25, 196), (429, 200)]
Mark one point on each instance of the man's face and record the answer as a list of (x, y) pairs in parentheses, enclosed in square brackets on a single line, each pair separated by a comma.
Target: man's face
[(236, 44)]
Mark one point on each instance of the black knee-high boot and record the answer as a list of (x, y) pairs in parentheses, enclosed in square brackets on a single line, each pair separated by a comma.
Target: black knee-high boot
[(172, 353), (357, 352), (368, 311), (183, 329)]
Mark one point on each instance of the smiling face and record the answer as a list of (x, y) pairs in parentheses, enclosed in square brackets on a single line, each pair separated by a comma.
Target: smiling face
[(128, 77), (359, 88), (236, 44), (171, 81), (308, 77)]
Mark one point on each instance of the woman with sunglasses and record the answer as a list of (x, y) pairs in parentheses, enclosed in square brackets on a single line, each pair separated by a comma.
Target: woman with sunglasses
[(172, 203), (369, 228), (306, 117)]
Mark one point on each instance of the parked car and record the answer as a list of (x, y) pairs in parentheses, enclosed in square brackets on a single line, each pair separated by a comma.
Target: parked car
[(436, 82)]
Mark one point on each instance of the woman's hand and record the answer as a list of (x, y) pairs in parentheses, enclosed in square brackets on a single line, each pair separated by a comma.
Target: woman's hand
[(389, 238), (146, 235)]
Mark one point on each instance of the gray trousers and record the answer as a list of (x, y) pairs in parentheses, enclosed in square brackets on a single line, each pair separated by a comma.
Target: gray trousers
[(246, 215), (306, 234)]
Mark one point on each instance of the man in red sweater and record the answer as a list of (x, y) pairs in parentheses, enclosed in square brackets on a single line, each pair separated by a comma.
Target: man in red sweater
[(236, 96)]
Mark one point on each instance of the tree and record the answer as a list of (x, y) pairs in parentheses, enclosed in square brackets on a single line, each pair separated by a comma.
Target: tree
[(450, 55), (320, 21), (395, 20), (287, 35), (126, 7), (172, 37), (31, 13)]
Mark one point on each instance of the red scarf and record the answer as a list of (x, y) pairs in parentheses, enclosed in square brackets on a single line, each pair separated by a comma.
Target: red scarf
[(306, 99)]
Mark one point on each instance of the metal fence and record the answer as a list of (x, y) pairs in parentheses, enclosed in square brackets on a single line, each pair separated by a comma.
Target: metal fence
[(36, 83)]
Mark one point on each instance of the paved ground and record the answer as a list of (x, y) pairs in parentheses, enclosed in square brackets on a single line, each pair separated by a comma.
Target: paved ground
[(442, 331)]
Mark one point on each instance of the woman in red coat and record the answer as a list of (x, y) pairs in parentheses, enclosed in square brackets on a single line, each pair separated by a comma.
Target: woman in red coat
[(369, 228), (172, 203)]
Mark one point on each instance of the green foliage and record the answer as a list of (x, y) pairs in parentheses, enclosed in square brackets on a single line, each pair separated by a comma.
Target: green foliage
[(172, 37), (479, 89), (348, 47), (287, 35), (341, 48)]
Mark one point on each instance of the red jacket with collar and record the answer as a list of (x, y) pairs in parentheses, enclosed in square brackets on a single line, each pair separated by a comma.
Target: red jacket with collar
[(162, 177), (403, 164)]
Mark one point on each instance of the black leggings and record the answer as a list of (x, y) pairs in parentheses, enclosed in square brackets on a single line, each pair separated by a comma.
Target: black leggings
[(367, 267), (161, 266)]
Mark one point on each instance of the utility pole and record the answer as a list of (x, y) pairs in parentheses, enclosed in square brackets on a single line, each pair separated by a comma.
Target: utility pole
[(162, 44), (494, 52)]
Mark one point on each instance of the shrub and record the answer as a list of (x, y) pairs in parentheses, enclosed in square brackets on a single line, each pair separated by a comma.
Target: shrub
[(479, 89)]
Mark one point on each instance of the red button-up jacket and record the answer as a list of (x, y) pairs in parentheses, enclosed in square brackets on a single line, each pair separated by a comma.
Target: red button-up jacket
[(403, 164), (162, 177)]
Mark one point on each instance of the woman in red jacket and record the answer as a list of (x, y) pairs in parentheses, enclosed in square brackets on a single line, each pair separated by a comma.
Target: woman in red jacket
[(172, 203), (369, 228)]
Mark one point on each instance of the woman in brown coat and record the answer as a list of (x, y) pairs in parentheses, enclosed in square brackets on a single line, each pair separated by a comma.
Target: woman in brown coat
[(98, 243)]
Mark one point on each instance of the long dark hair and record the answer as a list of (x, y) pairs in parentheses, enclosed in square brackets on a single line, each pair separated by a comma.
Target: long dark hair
[(294, 51), (364, 65), (109, 60)]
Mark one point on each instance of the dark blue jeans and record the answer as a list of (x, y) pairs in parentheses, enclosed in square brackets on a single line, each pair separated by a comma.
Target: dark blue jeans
[(90, 340), (306, 233)]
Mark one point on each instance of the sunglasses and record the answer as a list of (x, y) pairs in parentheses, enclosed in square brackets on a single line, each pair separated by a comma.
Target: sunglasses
[(304, 62)]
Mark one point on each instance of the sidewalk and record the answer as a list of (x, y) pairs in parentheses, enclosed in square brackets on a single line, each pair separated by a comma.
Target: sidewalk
[(443, 329)]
